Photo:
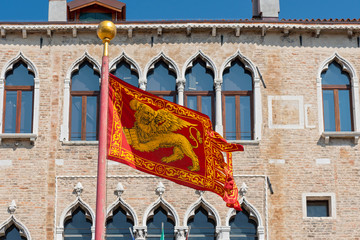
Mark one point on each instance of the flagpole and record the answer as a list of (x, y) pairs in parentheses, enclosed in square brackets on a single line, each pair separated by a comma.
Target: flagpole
[(106, 31)]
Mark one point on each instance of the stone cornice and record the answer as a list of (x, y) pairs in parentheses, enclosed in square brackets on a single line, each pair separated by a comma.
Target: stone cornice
[(193, 25)]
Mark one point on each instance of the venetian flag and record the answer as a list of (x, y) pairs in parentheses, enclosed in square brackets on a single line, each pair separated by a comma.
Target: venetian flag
[(165, 139)]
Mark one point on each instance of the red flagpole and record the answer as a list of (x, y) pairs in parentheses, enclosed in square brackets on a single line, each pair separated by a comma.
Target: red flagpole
[(106, 31)]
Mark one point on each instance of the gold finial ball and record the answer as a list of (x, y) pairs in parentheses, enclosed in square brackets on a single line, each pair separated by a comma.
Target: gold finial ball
[(106, 30)]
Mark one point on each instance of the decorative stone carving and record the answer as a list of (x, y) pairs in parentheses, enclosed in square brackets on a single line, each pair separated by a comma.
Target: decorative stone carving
[(12, 207), (119, 190), (78, 189), (140, 232), (160, 189), (243, 189)]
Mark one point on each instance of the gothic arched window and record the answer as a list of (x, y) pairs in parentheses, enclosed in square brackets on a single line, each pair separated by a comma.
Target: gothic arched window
[(124, 72), (12, 233), (119, 225), (199, 89), (18, 99), (161, 81), (78, 227), (337, 104), (201, 226), (237, 102), (242, 227), (155, 223), (84, 102)]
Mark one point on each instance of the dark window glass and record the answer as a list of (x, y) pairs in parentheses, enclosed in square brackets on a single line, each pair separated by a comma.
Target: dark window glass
[(162, 81), (242, 227), (19, 76), (124, 72), (161, 78), (92, 16), (10, 112), (199, 78), (86, 79), (202, 227), (317, 208), (237, 78), (336, 99), (154, 226), (237, 92), (230, 117), (18, 97), (199, 89), (117, 227), (12, 233), (335, 76), (84, 103), (78, 226), (76, 112)]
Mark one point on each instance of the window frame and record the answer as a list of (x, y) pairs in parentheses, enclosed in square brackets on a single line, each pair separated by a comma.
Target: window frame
[(237, 95), (198, 95), (19, 90), (330, 197), (84, 95)]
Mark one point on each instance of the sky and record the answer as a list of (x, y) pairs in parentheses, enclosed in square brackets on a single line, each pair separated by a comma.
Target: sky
[(137, 10)]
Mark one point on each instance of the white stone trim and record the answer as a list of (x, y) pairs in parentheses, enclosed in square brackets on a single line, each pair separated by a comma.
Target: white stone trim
[(347, 67), (67, 213), (253, 214), (307, 107), (130, 213), (257, 108), (212, 212), (24, 232), (64, 134), (300, 100), (31, 67), (320, 196), (134, 66)]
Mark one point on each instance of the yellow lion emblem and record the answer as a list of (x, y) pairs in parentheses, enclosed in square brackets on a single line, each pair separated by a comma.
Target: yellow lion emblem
[(155, 129)]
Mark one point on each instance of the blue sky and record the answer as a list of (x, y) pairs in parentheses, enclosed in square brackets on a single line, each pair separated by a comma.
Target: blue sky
[(37, 10)]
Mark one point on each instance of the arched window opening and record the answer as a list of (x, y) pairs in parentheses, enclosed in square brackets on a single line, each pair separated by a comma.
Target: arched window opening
[(337, 104), (118, 226), (199, 89), (124, 72), (154, 225), (12, 233), (201, 225), (78, 227), (85, 93), (161, 81), (237, 102), (18, 99), (242, 227)]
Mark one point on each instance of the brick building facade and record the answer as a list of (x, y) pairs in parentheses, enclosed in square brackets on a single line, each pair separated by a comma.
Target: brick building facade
[(290, 148)]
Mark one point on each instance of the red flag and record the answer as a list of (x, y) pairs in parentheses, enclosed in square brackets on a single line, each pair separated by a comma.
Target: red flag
[(165, 139)]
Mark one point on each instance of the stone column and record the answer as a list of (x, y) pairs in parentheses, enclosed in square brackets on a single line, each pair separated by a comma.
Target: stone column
[(180, 83), (218, 108)]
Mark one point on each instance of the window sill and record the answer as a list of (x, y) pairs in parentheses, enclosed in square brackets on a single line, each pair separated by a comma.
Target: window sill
[(80, 143), (328, 135), (19, 136), (245, 142)]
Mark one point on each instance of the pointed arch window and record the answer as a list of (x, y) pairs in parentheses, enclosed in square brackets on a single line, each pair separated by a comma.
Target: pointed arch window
[(161, 81), (124, 71), (78, 227), (202, 226), (12, 233), (337, 104), (242, 227), (154, 225), (237, 102), (18, 100), (199, 89), (84, 103), (117, 226)]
